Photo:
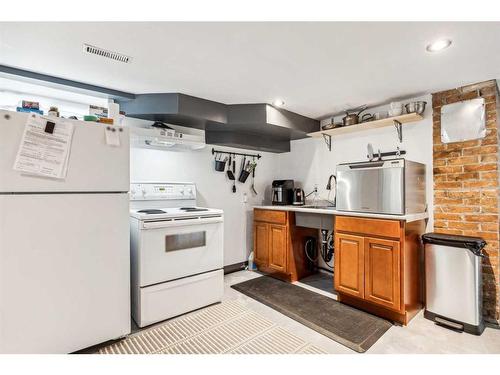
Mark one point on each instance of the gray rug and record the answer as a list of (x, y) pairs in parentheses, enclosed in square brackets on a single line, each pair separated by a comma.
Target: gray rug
[(348, 326)]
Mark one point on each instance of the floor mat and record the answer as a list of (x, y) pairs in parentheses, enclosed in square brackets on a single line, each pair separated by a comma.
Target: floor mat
[(348, 326), (319, 280), (228, 327)]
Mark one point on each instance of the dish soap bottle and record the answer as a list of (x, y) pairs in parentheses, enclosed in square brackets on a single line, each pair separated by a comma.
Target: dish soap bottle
[(251, 264)]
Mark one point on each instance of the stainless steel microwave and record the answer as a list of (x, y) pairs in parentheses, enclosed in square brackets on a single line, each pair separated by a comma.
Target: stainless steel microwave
[(387, 187)]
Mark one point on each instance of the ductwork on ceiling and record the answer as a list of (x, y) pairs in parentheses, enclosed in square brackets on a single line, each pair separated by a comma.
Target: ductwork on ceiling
[(251, 126)]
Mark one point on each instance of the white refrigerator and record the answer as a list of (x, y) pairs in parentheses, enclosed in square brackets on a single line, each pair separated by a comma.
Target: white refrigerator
[(64, 244)]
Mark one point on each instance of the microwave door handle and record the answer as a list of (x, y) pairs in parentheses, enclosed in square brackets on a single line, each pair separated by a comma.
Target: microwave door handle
[(180, 223)]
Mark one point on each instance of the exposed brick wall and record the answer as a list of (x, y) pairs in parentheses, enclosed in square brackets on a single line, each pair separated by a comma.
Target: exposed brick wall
[(466, 186)]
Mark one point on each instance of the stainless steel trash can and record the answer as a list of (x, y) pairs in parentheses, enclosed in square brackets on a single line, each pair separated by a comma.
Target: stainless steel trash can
[(453, 281)]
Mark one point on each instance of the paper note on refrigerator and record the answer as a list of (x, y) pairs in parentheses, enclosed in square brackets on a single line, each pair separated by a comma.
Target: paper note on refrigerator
[(45, 147), (112, 136)]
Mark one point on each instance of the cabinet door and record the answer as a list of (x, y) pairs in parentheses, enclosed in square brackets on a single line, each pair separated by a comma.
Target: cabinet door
[(261, 243), (278, 247), (349, 264), (382, 272)]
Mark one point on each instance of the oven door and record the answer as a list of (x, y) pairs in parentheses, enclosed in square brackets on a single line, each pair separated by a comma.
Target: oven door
[(170, 250)]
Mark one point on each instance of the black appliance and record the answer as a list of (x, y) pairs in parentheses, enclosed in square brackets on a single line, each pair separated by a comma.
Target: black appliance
[(299, 197), (282, 192)]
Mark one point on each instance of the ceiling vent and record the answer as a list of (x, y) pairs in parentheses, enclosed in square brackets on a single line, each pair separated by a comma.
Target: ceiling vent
[(105, 53)]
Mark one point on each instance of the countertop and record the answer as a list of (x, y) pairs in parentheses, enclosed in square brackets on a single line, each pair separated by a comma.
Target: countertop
[(332, 211)]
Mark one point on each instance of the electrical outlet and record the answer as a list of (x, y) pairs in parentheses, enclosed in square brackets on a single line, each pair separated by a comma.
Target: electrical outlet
[(245, 198)]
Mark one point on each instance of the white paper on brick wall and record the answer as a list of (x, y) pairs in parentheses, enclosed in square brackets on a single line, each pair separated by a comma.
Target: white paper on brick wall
[(463, 121)]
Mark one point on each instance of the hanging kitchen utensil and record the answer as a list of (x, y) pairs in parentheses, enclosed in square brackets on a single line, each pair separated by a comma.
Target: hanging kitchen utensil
[(220, 165), (245, 173), (230, 174), (234, 173), (241, 177), (252, 187)]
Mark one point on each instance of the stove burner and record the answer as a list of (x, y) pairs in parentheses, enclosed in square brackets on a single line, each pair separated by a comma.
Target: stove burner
[(151, 212), (193, 209)]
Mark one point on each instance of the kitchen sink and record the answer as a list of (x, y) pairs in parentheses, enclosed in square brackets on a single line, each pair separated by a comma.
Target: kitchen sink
[(319, 207)]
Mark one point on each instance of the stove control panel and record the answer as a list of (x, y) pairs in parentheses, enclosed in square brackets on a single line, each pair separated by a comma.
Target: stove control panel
[(162, 191)]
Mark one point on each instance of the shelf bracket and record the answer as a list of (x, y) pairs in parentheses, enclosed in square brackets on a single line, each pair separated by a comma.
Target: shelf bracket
[(328, 140), (399, 129)]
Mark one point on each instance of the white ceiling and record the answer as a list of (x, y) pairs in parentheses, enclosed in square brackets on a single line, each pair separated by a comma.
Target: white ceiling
[(316, 68)]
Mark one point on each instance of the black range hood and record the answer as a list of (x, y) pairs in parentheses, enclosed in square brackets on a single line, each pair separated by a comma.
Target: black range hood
[(251, 126)]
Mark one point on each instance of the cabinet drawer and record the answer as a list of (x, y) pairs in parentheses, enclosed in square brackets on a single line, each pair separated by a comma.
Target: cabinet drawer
[(374, 227), (270, 216)]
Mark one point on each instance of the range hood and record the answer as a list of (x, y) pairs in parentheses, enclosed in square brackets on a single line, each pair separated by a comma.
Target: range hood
[(250, 126), (164, 139)]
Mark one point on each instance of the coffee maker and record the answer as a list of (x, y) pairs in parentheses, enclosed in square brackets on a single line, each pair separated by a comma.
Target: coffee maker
[(282, 192)]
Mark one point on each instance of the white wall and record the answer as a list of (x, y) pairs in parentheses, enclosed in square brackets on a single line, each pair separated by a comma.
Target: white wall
[(213, 188), (69, 103)]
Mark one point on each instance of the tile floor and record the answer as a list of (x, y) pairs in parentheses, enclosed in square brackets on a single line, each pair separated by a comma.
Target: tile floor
[(420, 336)]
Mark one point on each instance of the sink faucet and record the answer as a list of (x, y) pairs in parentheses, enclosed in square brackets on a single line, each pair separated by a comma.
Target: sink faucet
[(329, 188), (329, 184)]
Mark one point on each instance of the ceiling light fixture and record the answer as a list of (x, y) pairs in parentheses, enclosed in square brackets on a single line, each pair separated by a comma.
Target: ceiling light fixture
[(278, 103), (438, 45)]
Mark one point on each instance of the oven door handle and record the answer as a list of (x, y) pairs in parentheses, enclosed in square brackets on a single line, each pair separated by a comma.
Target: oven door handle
[(180, 223)]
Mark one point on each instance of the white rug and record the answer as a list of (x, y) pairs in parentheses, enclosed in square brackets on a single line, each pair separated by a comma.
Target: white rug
[(228, 327)]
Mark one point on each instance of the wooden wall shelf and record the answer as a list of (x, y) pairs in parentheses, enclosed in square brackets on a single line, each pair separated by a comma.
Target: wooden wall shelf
[(403, 119), (396, 121)]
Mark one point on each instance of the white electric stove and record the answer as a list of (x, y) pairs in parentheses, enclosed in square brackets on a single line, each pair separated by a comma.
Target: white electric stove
[(176, 251)]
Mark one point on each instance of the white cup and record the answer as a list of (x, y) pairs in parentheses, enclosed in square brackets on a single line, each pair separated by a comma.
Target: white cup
[(397, 105), (395, 112)]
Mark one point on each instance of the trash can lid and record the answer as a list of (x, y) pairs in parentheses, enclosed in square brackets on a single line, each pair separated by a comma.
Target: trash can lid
[(474, 244)]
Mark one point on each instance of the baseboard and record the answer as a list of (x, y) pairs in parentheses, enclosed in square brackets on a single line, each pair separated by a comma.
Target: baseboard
[(492, 323), (235, 267)]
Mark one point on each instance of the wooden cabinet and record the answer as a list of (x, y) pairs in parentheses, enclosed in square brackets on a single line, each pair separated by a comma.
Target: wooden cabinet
[(261, 241), (278, 247), (350, 264), (271, 239), (382, 272), (279, 244), (378, 265)]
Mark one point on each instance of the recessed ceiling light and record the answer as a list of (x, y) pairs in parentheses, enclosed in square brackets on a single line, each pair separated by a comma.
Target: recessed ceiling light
[(278, 103), (438, 45)]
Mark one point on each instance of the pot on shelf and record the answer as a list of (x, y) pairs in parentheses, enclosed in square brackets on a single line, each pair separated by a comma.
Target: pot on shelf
[(352, 118)]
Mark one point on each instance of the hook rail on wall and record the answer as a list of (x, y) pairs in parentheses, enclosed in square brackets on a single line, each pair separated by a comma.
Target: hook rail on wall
[(214, 151)]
